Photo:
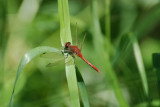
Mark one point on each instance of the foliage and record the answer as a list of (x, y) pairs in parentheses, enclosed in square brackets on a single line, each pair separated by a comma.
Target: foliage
[(121, 38)]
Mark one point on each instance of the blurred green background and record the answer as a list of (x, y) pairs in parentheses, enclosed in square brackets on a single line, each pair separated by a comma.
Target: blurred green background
[(26, 24)]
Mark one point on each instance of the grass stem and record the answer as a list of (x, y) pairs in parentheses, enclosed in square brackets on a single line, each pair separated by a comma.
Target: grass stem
[(65, 35), (108, 25)]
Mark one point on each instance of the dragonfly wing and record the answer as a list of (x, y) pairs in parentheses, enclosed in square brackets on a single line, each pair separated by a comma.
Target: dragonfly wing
[(49, 59), (51, 54), (55, 54), (54, 58), (55, 62)]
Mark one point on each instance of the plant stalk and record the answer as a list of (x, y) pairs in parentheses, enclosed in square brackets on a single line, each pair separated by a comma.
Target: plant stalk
[(65, 35)]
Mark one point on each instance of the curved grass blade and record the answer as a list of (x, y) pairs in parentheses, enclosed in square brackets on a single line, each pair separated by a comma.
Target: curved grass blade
[(26, 59), (82, 88)]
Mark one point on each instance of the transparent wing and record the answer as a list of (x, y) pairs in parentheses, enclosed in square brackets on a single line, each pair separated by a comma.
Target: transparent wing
[(52, 54), (50, 59), (56, 62)]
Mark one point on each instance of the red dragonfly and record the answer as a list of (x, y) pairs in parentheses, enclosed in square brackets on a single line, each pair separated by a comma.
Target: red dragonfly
[(73, 49)]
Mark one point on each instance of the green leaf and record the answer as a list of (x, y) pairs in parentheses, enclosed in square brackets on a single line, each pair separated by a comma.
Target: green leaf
[(128, 15), (124, 44), (154, 103), (108, 25), (65, 31), (156, 64), (156, 60), (82, 88), (26, 59), (3, 44), (150, 19), (98, 38), (140, 65), (65, 35)]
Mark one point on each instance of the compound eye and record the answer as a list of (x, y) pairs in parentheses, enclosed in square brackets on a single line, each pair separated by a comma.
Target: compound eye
[(67, 44)]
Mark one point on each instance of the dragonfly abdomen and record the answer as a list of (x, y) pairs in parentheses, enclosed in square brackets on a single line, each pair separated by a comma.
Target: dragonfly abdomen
[(80, 55)]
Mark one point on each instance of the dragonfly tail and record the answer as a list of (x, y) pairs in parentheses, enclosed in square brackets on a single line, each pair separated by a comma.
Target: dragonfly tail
[(80, 55)]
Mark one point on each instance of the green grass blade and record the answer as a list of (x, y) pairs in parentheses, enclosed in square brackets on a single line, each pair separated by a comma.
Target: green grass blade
[(156, 60), (82, 89), (124, 44), (65, 35), (72, 84), (150, 19), (128, 15), (96, 29), (65, 31), (156, 64), (3, 44), (26, 59), (141, 68), (98, 38), (108, 25), (27, 15), (154, 103)]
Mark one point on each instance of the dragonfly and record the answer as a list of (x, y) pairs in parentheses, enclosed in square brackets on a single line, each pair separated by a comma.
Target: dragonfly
[(75, 50)]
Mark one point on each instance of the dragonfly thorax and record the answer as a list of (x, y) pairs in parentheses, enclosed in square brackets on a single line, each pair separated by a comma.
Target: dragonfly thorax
[(71, 49)]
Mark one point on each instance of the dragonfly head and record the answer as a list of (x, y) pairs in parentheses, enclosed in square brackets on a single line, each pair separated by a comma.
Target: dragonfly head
[(67, 44)]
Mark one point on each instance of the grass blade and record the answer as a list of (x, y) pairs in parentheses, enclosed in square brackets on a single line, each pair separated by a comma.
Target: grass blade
[(26, 59), (96, 29), (65, 31), (98, 38), (150, 19), (125, 43), (3, 44), (108, 25), (3, 36), (128, 15), (156, 64), (140, 65), (65, 35), (82, 89)]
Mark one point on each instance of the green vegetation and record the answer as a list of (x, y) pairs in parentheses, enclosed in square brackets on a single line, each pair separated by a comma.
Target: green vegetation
[(121, 39)]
